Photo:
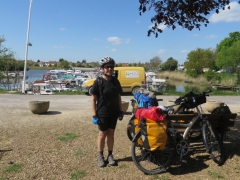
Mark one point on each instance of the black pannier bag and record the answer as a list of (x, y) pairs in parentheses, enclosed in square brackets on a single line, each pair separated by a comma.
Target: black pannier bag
[(222, 110), (191, 100)]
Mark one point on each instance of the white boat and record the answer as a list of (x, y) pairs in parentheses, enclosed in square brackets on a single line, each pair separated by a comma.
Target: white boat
[(42, 89), (77, 72), (70, 72), (57, 86), (13, 74), (153, 83), (57, 71)]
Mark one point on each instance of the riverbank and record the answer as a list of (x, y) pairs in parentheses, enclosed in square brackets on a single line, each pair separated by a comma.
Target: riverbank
[(225, 79)]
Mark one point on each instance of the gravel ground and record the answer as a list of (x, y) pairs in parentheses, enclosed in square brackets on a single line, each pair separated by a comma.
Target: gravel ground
[(33, 143)]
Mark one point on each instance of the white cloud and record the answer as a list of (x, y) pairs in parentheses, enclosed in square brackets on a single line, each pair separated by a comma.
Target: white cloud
[(212, 36), (113, 50), (184, 51), (161, 51), (62, 29), (160, 26), (114, 40), (232, 15), (138, 21)]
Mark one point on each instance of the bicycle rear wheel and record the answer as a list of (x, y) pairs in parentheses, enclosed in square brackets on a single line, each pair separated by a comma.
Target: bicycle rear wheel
[(151, 162), (213, 144)]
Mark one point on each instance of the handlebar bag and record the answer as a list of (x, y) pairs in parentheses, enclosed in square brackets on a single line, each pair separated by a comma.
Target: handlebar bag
[(191, 100), (153, 134)]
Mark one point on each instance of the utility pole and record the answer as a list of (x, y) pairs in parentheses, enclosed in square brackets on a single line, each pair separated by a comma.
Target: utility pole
[(27, 44)]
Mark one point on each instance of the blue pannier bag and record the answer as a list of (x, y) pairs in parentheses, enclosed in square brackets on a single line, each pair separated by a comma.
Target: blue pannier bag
[(137, 95), (145, 101)]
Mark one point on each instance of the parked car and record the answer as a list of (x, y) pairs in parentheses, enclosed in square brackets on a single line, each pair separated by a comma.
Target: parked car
[(224, 70), (221, 71)]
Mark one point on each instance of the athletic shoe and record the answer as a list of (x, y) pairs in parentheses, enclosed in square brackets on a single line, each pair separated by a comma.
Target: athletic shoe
[(101, 162), (111, 161)]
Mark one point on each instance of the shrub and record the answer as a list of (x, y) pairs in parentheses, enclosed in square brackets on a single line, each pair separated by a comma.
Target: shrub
[(209, 75), (193, 73), (217, 78)]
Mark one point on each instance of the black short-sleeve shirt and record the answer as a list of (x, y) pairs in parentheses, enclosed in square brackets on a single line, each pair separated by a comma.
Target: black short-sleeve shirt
[(108, 103)]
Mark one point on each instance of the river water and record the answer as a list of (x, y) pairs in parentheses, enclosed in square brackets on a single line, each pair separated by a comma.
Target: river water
[(178, 86), (32, 75), (35, 74), (181, 86)]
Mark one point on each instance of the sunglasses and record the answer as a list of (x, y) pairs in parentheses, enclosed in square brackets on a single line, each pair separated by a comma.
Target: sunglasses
[(107, 67)]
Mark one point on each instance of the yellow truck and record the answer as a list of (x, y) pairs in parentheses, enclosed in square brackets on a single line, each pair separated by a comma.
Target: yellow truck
[(130, 78)]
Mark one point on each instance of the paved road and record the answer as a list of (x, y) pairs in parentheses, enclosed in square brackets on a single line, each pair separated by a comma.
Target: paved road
[(76, 101)]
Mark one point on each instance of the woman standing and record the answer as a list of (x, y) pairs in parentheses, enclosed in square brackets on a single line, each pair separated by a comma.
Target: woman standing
[(106, 106)]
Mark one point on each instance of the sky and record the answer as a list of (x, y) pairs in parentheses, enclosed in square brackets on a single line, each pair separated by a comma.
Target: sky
[(78, 29)]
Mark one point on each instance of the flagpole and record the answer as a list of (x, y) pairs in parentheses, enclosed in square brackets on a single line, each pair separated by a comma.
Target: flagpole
[(27, 44)]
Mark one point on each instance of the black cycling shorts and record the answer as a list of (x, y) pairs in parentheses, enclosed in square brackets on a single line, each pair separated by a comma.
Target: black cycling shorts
[(106, 123)]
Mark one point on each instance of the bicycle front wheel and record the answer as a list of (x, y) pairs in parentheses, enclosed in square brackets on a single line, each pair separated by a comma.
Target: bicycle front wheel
[(151, 162), (130, 133), (213, 144)]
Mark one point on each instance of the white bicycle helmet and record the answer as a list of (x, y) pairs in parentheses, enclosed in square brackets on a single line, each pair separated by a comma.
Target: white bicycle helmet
[(106, 60)]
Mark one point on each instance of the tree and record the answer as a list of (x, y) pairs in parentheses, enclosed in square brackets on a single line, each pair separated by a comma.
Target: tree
[(228, 52), (199, 59), (78, 64), (84, 61), (30, 62), (95, 64), (155, 62), (170, 65), (231, 58), (140, 64), (64, 64), (73, 64), (8, 63), (189, 14)]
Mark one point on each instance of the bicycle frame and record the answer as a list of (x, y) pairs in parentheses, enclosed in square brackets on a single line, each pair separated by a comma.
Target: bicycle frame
[(188, 126)]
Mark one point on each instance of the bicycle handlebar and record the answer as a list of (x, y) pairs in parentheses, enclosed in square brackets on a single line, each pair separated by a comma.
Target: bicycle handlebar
[(206, 93)]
